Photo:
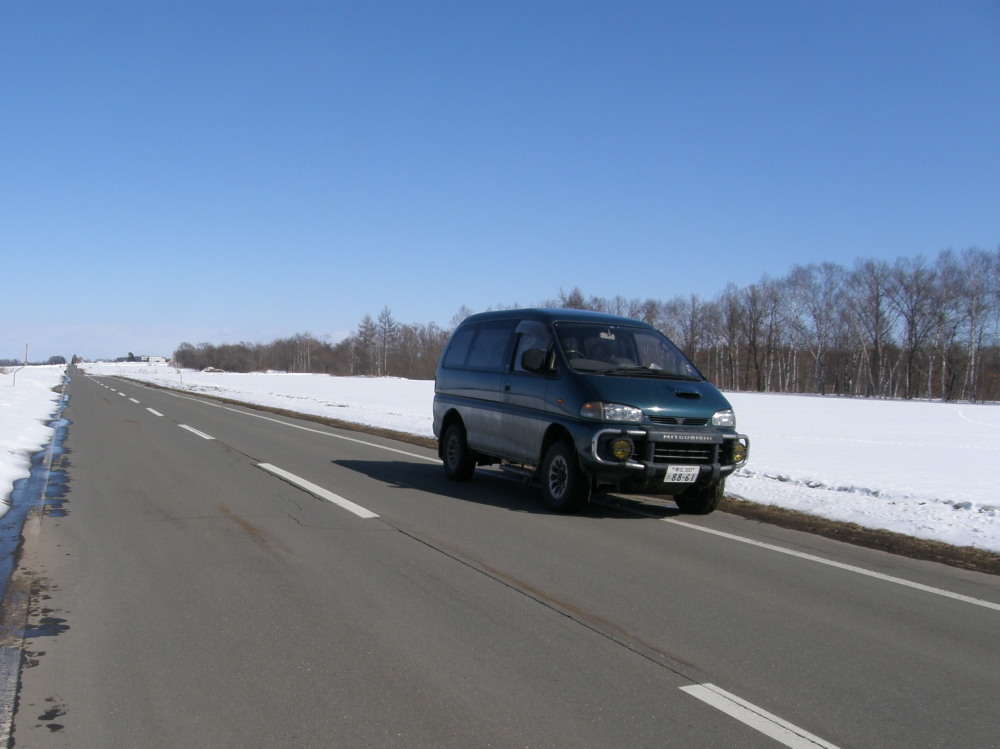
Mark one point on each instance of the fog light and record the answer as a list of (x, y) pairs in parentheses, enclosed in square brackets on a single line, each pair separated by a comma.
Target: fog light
[(621, 448), (739, 452)]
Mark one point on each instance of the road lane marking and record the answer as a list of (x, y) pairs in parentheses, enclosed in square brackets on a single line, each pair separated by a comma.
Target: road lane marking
[(840, 565), (772, 547), (154, 412), (318, 491), (309, 429), (770, 725), (336, 436), (195, 431), (133, 400)]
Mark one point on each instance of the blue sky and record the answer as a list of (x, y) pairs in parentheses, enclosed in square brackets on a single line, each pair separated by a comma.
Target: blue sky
[(230, 170)]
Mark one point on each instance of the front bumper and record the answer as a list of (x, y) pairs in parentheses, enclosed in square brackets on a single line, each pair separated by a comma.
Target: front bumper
[(717, 453)]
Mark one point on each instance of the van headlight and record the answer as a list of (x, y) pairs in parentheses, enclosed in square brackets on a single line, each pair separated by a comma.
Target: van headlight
[(724, 418), (600, 411)]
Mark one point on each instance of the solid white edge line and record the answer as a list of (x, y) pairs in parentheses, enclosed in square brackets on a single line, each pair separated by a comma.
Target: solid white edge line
[(319, 491), (770, 725), (337, 436), (195, 431), (841, 565)]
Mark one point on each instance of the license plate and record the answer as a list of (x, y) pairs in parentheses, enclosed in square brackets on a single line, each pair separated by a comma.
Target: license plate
[(681, 475)]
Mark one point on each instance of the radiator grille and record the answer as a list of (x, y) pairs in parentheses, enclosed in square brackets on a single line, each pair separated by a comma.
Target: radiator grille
[(681, 452), (675, 420)]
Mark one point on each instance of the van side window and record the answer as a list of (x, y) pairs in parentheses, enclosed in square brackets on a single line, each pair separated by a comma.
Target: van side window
[(532, 336), (490, 347), (458, 349), (483, 346)]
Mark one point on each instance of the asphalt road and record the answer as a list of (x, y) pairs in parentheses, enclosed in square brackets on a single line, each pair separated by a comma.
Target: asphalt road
[(218, 576)]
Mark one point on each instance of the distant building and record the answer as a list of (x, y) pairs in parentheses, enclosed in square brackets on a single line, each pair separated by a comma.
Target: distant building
[(143, 359)]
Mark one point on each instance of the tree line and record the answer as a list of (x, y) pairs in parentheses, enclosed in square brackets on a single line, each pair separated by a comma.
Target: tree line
[(909, 329), (52, 360), (380, 347)]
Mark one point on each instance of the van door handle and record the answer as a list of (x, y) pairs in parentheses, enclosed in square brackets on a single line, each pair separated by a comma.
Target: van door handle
[(506, 386)]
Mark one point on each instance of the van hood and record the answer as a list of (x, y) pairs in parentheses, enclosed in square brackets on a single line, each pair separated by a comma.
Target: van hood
[(660, 397)]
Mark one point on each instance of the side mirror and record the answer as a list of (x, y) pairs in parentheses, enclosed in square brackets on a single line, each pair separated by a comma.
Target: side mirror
[(533, 360)]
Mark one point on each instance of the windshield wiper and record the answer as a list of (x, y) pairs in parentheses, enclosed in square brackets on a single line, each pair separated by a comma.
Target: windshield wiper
[(647, 372)]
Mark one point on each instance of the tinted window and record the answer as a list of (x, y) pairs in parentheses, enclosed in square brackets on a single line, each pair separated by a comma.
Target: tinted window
[(622, 350), (531, 335), (482, 346), (489, 348), (458, 349)]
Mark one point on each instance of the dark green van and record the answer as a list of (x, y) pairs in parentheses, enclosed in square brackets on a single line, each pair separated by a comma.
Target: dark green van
[(581, 401)]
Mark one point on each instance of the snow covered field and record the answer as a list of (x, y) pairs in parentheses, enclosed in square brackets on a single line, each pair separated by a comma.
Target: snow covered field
[(923, 469)]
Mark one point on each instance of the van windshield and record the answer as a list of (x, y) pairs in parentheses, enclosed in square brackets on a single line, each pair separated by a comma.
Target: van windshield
[(623, 351)]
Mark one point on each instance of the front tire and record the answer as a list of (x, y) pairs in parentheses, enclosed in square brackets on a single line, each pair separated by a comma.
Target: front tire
[(459, 465), (565, 487), (700, 500)]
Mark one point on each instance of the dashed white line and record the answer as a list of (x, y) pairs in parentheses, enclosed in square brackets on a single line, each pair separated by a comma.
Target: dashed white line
[(318, 491), (195, 431), (154, 412), (309, 429), (770, 725), (133, 400)]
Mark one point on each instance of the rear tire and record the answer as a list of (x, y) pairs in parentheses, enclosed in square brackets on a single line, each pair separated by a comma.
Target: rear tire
[(700, 500), (565, 487), (459, 465)]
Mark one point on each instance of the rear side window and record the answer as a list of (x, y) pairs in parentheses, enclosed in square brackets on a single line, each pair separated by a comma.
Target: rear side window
[(458, 349), (483, 346)]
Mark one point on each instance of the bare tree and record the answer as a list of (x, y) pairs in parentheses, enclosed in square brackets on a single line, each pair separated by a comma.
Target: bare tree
[(913, 294), (573, 300), (366, 347), (463, 312), (977, 295), (682, 320), (729, 310), (387, 332), (873, 321), (815, 291), (758, 325)]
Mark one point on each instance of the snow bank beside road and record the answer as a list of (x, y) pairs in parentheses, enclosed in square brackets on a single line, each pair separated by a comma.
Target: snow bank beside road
[(27, 402)]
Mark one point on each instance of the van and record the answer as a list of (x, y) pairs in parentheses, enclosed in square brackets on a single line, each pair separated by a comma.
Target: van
[(580, 402)]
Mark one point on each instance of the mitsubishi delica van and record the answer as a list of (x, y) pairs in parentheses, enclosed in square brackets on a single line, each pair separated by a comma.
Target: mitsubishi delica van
[(580, 401)]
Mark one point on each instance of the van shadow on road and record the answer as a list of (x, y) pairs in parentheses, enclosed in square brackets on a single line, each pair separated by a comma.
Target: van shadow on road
[(493, 488)]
